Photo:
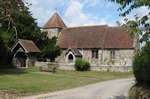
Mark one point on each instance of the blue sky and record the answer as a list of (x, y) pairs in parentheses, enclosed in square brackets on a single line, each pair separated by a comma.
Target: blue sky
[(79, 12)]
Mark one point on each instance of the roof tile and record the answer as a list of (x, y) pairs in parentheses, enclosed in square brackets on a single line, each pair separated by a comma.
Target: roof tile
[(95, 37), (29, 45), (55, 22)]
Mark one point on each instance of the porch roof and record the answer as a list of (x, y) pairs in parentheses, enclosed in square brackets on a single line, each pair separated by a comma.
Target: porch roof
[(75, 51), (28, 45)]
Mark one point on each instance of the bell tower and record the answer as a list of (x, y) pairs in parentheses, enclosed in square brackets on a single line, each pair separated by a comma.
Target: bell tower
[(54, 26)]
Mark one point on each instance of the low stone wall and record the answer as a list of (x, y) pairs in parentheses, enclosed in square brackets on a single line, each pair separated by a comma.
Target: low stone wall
[(115, 68), (39, 64), (95, 68), (66, 67), (99, 68)]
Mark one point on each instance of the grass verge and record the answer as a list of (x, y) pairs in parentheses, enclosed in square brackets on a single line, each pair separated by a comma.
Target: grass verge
[(32, 81)]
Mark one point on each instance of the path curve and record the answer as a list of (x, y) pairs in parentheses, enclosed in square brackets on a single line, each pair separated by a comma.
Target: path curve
[(111, 89)]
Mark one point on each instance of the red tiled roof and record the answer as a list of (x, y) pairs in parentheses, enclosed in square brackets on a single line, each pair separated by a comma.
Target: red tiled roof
[(55, 22), (95, 37), (28, 45)]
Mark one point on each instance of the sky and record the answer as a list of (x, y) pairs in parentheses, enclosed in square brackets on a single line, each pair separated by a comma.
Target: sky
[(80, 12)]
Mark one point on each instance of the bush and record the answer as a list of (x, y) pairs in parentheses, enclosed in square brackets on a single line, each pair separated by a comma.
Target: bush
[(5, 56), (82, 65), (141, 65)]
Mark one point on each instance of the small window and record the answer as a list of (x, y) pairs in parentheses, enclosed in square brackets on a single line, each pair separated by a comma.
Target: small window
[(112, 54), (95, 54)]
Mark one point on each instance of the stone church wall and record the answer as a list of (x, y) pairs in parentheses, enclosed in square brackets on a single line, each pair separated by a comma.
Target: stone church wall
[(123, 57), (54, 32)]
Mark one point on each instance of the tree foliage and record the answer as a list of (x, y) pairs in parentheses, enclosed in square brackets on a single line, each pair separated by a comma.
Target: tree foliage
[(140, 28), (5, 55), (141, 65), (129, 5), (51, 51), (16, 22)]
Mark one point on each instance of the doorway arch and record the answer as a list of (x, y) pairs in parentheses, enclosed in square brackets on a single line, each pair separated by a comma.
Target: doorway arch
[(20, 58), (70, 58)]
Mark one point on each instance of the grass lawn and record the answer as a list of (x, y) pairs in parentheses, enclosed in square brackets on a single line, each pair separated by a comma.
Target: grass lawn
[(32, 81)]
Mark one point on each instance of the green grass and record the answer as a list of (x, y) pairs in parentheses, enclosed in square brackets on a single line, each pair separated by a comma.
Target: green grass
[(32, 81)]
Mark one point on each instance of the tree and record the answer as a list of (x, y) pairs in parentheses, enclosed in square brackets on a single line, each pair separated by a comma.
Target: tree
[(140, 27), (141, 65), (3, 50), (5, 55), (129, 5), (51, 51), (16, 22), (8, 11)]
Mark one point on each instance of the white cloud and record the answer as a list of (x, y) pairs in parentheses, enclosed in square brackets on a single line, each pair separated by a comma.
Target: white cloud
[(141, 11), (73, 12), (42, 10), (75, 16), (55, 2), (90, 3)]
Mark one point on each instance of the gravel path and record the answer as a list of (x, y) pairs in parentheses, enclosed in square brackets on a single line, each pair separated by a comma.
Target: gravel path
[(113, 89)]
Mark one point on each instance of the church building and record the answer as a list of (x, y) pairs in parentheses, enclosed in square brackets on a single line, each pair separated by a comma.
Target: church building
[(101, 45)]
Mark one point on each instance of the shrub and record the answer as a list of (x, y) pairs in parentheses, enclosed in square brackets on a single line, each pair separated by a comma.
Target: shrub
[(82, 65), (5, 56), (141, 65)]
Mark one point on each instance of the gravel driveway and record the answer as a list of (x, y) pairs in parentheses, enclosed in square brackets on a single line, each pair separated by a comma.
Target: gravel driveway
[(113, 89)]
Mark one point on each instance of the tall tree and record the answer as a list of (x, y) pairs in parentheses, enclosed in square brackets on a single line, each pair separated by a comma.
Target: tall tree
[(16, 20), (140, 27), (51, 51), (9, 9)]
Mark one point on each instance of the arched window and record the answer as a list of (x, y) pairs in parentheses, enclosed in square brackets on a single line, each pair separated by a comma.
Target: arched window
[(70, 58)]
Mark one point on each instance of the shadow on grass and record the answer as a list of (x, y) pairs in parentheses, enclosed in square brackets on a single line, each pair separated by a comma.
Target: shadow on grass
[(13, 71)]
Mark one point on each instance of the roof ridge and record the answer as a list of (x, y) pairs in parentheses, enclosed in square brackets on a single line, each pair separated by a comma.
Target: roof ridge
[(87, 26), (25, 40)]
